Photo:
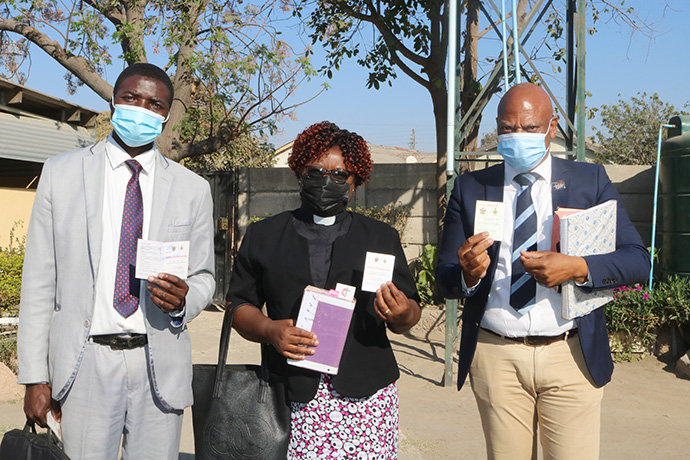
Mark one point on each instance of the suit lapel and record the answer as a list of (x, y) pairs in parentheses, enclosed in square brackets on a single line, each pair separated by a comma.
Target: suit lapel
[(559, 182), (162, 184), (93, 171)]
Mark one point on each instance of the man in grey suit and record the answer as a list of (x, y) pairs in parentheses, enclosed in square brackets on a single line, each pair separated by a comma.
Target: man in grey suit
[(109, 355)]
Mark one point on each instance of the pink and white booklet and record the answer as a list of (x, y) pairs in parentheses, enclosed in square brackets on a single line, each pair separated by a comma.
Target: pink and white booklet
[(328, 315)]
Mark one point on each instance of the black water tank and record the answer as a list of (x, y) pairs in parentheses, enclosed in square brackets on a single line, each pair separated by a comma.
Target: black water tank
[(673, 218)]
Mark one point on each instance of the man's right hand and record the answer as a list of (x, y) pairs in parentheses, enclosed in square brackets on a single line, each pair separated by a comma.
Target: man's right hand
[(474, 258), (37, 403)]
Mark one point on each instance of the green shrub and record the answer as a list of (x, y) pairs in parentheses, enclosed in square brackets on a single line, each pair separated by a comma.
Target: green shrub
[(637, 314), (673, 301), (632, 317), (395, 215), (8, 352), (254, 219), (11, 262), (423, 269)]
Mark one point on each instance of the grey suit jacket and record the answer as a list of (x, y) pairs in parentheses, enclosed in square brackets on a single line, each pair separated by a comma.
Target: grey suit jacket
[(61, 262)]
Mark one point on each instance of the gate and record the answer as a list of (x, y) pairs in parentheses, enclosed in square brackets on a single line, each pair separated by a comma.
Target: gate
[(224, 193)]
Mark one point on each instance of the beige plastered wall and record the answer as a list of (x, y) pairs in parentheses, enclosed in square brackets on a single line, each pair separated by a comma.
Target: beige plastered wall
[(15, 205)]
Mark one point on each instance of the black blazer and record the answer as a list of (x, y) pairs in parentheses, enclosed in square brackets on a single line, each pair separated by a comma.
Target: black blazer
[(272, 267)]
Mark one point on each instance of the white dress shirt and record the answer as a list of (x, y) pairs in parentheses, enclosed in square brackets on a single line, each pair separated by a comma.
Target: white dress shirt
[(545, 317), (106, 320)]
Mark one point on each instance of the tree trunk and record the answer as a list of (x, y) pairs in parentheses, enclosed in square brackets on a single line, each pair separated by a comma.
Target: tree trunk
[(440, 104), (184, 85), (469, 86)]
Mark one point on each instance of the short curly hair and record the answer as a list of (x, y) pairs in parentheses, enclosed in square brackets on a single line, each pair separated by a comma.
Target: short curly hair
[(313, 143)]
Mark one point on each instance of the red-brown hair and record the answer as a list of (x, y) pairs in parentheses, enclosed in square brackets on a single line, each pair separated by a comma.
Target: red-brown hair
[(313, 143)]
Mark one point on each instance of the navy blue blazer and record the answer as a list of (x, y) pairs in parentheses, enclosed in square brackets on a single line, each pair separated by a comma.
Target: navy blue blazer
[(574, 185)]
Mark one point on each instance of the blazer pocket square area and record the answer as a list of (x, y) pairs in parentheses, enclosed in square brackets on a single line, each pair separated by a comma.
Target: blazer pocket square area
[(180, 227)]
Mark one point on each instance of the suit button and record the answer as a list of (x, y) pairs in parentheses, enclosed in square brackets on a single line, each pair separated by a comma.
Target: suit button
[(87, 323)]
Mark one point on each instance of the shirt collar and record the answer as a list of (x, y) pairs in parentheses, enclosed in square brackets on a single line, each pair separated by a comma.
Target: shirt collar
[(117, 156), (541, 172)]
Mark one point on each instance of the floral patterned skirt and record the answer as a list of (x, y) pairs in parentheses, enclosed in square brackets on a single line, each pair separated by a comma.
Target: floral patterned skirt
[(331, 426)]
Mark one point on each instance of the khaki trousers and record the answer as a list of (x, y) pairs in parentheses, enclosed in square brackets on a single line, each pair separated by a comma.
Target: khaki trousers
[(522, 390)]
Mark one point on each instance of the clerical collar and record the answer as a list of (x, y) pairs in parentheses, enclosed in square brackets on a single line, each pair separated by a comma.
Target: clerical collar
[(325, 221), (306, 215)]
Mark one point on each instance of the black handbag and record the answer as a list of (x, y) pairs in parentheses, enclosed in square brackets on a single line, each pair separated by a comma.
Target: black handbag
[(26, 444), (240, 411)]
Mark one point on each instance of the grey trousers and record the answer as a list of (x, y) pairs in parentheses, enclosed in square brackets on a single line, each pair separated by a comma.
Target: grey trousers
[(112, 406)]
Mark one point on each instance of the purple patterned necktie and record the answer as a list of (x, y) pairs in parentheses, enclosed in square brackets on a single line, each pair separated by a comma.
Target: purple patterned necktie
[(132, 222)]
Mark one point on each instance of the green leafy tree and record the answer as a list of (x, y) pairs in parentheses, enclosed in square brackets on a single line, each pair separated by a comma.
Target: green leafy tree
[(229, 68), (411, 36), (631, 129), (244, 151), (489, 138)]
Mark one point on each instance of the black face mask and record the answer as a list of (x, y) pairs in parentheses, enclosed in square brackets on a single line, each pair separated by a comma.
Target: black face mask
[(323, 196)]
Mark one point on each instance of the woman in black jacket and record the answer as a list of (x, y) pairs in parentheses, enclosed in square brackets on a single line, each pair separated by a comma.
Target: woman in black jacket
[(353, 414)]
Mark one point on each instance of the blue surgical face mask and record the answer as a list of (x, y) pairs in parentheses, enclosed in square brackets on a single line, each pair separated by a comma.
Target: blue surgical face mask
[(522, 151), (136, 126)]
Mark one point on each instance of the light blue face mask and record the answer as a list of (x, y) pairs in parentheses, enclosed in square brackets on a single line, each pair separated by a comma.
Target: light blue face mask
[(522, 151), (136, 126)]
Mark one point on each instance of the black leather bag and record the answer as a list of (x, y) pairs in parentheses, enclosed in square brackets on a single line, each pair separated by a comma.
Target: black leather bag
[(26, 444), (240, 411)]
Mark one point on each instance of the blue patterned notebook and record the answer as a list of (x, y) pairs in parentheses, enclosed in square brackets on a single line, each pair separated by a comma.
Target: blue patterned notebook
[(588, 232)]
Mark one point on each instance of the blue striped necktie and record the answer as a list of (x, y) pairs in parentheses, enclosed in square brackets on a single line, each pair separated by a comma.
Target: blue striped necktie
[(523, 288)]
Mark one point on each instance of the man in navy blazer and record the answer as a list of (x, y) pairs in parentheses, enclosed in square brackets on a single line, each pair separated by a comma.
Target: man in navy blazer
[(530, 369)]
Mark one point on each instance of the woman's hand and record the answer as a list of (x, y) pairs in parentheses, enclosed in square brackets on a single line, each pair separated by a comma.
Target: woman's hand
[(290, 341), (393, 307)]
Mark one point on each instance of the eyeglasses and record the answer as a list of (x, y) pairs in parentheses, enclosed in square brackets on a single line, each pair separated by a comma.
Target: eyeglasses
[(339, 176)]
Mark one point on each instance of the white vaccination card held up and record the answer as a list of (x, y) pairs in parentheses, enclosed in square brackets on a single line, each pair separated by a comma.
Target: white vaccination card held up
[(488, 217)]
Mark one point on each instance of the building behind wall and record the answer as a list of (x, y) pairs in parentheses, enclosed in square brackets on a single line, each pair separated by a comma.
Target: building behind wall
[(33, 127)]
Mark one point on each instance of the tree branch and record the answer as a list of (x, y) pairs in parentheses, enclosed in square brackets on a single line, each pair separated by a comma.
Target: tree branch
[(488, 28), (114, 12), (75, 64), (375, 19), (225, 134), (408, 71)]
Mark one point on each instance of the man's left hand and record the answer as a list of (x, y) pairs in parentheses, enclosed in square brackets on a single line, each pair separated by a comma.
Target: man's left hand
[(553, 268), (168, 292)]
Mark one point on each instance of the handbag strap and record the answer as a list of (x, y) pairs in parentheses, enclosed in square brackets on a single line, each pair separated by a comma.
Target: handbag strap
[(223, 348), (29, 427), (50, 438)]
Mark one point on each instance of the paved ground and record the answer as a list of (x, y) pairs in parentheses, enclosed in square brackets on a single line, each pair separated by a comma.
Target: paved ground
[(645, 415)]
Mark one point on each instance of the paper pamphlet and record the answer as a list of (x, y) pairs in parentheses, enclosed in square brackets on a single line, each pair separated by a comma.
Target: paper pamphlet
[(378, 270), (154, 257), (328, 315), (556, 229), (588, 232), (345, 291), (54, 425), (488, 217)]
